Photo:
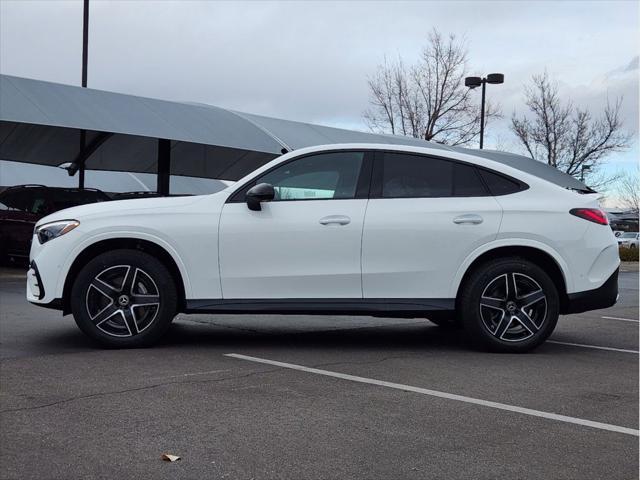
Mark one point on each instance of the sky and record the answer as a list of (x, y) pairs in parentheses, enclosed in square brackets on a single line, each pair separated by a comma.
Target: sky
[(310, 61)]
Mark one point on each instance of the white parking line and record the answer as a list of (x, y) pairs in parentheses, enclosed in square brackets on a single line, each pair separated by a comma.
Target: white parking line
[(449, 396), (597, 347), (622, 319)]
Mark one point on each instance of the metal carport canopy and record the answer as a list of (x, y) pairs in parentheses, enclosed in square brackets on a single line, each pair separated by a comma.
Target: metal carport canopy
[(42, 122)]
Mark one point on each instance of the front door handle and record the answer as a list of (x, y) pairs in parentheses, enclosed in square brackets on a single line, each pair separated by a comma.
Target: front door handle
[(468, 219), (335, 220)]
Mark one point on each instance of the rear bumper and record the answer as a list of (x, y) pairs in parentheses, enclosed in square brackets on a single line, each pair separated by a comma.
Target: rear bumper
[(602, 297)]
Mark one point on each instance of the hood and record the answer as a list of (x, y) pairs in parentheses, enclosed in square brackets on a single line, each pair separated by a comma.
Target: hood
[(121, 207)]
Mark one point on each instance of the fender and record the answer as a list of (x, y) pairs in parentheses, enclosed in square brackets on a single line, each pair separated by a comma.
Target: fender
[(511, 242), (148, 235)]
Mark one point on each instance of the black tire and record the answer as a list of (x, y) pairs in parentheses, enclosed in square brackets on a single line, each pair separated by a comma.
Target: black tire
[(124, 299), (497, 320)]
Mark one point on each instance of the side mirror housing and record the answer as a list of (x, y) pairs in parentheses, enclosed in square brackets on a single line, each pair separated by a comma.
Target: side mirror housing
[(263, 192)]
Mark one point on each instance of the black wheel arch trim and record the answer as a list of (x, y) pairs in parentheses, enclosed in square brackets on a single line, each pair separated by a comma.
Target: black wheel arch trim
[(102, 246)]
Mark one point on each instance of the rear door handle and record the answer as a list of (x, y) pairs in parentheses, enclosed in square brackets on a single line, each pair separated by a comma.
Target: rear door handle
[(468, 219), (335, 220)]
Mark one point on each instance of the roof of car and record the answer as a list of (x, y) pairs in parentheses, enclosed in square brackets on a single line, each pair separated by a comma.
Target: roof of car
[(519, 162)]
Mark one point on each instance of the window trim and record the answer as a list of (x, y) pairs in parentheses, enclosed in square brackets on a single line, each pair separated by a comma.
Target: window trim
[(378, 173), (363, 184)]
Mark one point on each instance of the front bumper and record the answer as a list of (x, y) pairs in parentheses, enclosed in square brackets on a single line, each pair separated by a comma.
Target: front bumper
[(602, 297)]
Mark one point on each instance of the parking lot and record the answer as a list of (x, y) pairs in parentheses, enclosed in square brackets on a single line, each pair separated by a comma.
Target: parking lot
[(313, 397)]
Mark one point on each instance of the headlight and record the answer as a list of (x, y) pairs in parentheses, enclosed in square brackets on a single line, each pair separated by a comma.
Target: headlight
[(51, 230)]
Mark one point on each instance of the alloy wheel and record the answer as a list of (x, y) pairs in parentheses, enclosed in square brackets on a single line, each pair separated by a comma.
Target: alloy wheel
[(122, 301), (513, 307)]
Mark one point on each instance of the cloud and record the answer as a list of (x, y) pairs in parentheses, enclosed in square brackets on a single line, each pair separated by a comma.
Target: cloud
[(309, 61)]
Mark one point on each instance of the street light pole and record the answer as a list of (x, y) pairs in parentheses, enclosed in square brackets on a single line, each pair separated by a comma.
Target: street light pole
[(85, 59), (484, 89), (473, 82), (85, 42)]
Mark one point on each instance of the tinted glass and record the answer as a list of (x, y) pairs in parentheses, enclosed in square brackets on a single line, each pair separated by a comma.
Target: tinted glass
[(31, 200), (324, 176), (70, 198), (406, 176), (467, 182), (499, 185)]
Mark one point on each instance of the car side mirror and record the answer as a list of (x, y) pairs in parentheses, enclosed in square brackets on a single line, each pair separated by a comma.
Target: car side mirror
[(263, 192)]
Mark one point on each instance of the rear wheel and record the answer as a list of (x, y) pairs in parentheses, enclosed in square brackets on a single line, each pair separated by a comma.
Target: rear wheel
[(510, 305), (124, 298)]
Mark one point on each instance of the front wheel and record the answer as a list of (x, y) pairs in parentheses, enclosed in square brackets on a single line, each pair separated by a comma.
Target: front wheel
[(124, 298), (509, 305)]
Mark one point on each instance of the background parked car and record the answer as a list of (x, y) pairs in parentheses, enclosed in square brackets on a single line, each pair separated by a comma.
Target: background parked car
[(23, 205), (132, 195), (629, 239), (141, 194)]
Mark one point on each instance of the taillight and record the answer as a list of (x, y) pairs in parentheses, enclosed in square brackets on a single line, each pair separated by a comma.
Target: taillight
[(594, 215)]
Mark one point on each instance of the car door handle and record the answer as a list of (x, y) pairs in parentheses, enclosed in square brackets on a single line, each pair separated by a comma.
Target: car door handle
[(468, 219), (335, 220)]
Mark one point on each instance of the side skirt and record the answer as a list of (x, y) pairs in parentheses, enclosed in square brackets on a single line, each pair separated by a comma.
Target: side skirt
[(382, 307)]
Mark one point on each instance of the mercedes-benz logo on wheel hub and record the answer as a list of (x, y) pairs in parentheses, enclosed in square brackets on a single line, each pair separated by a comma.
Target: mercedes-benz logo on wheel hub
[(123, 300)]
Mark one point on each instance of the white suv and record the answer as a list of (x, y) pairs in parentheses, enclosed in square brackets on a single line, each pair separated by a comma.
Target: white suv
[(496, 243)]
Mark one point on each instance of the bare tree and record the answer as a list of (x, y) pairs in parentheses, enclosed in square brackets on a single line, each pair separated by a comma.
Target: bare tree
[(629, 190), (427, 100), (567, 137)]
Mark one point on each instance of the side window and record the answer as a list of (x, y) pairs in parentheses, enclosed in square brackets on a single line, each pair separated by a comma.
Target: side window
[(406, 176), (499, 185), (17, 200), (324, 176)]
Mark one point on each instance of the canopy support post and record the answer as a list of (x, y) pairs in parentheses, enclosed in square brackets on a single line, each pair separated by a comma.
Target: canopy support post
[(83, 140), (164, 166)]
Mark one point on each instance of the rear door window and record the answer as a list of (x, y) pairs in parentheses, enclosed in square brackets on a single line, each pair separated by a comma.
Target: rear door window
[(418, 176)]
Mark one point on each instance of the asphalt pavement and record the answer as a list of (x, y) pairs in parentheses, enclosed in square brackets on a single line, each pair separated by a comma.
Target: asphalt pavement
[(317, 397)]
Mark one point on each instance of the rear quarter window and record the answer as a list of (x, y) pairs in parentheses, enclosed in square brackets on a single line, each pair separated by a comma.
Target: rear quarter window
[(467, 182), (499, 184)]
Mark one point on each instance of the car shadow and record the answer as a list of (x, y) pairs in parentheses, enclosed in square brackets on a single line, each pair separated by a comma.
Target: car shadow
[(421, 336)]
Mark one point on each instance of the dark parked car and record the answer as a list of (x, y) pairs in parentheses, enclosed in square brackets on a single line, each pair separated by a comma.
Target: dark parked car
[(23, 205), (143, 194), (133, 195)]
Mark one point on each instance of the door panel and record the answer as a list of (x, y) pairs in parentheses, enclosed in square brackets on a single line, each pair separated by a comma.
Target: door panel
[(426, 215), (305, 243), (412, 247), (292, 249)]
